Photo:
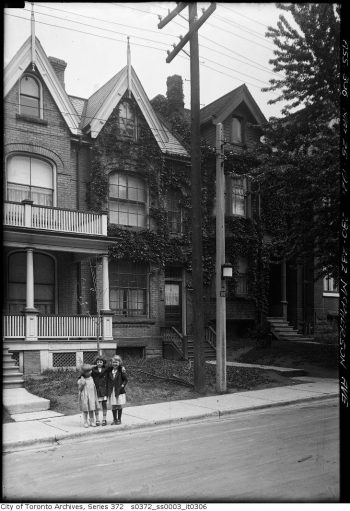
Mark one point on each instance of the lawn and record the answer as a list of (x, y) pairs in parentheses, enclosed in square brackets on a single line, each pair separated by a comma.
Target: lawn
[(151, 381)]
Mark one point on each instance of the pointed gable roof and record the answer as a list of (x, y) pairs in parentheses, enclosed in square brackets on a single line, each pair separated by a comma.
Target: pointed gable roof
[(102, 103), (222, 107), (19, 64)]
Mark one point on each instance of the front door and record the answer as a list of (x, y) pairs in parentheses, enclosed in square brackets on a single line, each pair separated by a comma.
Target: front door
[(173, 304)]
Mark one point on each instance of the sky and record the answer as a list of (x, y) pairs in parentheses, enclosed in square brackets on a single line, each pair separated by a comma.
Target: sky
[(92, 39)]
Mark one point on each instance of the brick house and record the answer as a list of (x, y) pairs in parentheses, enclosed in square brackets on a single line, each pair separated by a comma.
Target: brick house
[(71, 195)]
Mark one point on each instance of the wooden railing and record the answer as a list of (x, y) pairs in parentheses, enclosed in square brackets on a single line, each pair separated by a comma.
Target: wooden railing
[(13, 326), (54, 219), (210, 336), (67, 327), (53, 327), (173, 336)]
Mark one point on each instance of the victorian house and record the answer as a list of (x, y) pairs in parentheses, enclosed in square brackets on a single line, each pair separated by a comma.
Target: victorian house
[(82, 210)]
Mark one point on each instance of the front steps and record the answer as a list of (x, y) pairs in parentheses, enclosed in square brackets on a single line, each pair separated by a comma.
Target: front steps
[(209, 352), (12, 378), (15, 398), (283, 331)]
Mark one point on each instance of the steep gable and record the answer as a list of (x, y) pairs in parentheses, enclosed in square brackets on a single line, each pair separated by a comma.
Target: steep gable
[(19, 64), (102, 103), (221, 108)]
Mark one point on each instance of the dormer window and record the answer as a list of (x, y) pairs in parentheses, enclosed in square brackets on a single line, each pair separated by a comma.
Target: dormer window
[(127, 121), (236, 131), (29, 96)]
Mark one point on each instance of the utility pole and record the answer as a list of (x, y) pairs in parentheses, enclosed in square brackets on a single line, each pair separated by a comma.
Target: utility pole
[(196, 180), (220, 261)]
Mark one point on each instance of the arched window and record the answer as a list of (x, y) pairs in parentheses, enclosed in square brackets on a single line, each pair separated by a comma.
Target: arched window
[(236, 134), (127, 200), (29, 96), (30, 178), (44, 282)]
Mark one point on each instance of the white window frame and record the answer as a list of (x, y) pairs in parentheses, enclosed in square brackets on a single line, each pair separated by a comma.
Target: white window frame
[(41, 109), (330, 287), (240, 140), (35, 157), (130, 117), (127, 201)]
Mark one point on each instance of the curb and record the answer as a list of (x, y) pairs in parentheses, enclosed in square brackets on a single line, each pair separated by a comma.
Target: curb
[(58, 438)]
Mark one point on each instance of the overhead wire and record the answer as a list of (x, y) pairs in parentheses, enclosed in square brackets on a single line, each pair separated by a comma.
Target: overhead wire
[(144, 46), (256, 65)]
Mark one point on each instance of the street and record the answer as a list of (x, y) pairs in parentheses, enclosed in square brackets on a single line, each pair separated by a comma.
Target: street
[(288, 454)]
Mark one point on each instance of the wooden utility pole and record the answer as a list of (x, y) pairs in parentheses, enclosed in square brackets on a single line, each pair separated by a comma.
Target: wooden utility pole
[(220, 260), (196, 181)]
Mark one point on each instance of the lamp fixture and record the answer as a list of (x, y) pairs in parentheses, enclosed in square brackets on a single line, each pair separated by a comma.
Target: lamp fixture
[(226, 271)]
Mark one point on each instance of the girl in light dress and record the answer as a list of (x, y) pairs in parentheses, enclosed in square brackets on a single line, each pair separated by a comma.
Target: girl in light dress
[(88, 400)]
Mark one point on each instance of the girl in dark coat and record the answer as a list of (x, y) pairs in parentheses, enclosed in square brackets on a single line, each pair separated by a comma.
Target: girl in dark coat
[(99, 374), (116, 383)]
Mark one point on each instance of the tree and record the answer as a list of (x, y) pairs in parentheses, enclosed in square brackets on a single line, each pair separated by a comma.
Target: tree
[(299, 171)]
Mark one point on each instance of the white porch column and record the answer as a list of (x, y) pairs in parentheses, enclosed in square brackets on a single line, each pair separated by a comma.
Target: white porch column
[(30, 312), (105, 283), (107, 325), (30, 280)]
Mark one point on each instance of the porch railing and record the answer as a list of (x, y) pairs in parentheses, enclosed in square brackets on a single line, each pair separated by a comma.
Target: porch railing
[(13, 326), (173, 336), (210, 336), (54, 219), (54, 327), (67, 327)]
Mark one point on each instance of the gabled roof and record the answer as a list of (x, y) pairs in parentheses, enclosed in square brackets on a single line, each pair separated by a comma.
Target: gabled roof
[(102, 103), (221, 108), (19, 64)]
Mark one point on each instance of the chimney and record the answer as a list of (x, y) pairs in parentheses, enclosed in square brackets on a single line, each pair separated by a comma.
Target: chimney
[(175, 94), (59, 67)]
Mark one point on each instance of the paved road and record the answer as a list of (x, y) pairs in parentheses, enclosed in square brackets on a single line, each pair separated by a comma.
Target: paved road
[(288, 454)]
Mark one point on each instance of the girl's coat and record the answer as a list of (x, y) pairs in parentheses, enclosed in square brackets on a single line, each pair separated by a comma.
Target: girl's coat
[(117, 382), (88, 400), (100, 379)]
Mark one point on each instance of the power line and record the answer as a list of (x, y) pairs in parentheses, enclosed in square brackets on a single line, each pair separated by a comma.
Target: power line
[(243, 16), (141, 45)]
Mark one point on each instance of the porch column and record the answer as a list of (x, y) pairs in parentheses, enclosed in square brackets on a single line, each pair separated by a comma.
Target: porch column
[(107, 326), (284, 290), (105, 283), (30, 312)]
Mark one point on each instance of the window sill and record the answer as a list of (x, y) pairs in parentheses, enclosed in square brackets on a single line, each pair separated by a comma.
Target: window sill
[(330, 294), (28, 118), (132, 320)]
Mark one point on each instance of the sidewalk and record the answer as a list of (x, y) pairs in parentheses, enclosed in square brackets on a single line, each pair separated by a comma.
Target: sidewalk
[(50, 428)]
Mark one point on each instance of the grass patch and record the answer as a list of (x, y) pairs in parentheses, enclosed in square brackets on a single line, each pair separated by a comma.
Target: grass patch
[(150, 381)]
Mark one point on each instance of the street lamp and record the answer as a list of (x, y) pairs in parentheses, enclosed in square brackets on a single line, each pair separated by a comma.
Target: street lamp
[(226, 271)]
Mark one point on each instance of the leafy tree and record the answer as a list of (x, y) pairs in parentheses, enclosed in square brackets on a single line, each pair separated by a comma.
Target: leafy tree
[(299, 171)]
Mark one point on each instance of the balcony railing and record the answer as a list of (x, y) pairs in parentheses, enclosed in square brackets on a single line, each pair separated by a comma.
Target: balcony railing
[(54, 219), (54, 327)]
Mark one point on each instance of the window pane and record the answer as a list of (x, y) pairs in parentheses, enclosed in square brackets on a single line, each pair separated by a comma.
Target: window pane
[(30, 106), (17, 267), (128, 288), (236, 131), (136, 189), (17, 193), (18, 170), (44, 269), (41, 173), (172, 294), (41, 196), (29, 86)]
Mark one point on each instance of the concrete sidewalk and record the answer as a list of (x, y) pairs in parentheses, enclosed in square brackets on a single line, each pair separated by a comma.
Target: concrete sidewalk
[(50, 428)]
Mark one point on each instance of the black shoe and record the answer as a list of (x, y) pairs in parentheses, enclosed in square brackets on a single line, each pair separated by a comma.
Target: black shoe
[(118, 421)]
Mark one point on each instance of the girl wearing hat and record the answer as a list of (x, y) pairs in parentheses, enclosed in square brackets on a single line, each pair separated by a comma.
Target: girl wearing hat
[(88, 401), (99, 375), (116, 383)]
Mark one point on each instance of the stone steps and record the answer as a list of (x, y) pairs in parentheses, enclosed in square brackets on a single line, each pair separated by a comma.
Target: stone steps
[(283, 331), (11, 375)]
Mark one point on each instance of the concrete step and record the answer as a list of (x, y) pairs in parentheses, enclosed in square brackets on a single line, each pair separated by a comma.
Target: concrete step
[(11, 371), (12, 383), (19, 400)]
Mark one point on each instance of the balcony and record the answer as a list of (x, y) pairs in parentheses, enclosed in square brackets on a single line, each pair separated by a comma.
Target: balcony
[(46, 218)]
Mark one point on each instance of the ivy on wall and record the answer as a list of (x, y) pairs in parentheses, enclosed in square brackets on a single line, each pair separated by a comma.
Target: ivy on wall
[(156, 245)]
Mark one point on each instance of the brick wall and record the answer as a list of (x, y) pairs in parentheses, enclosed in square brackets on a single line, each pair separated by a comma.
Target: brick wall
[(50, 139)]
